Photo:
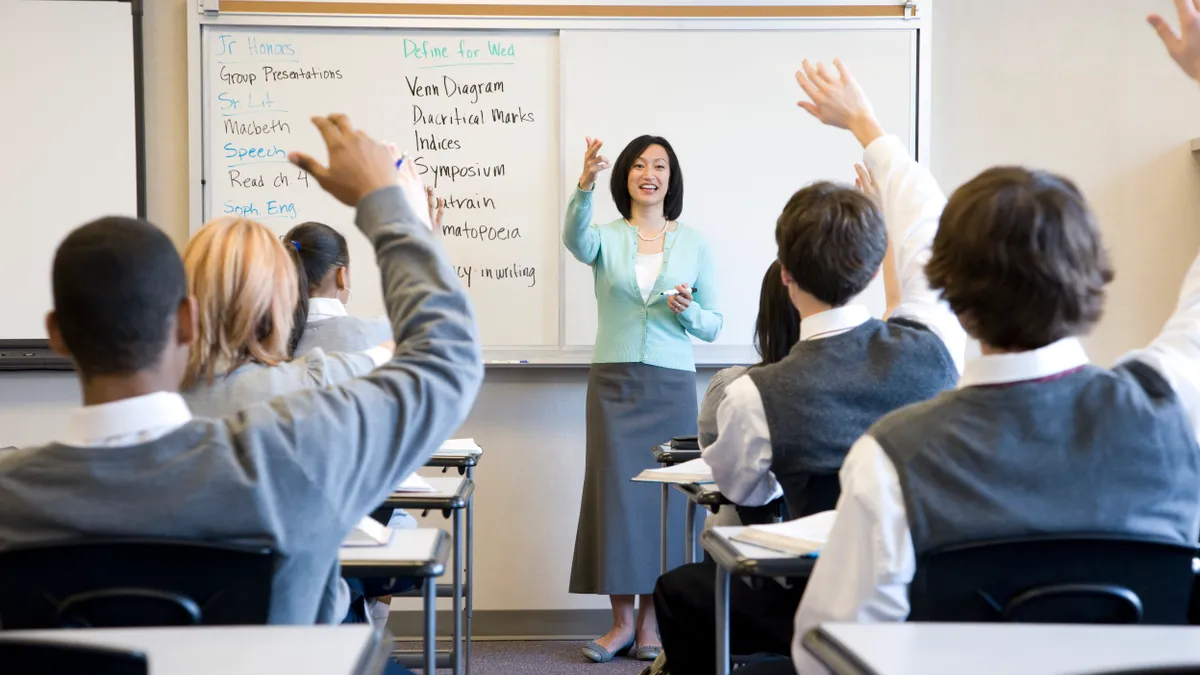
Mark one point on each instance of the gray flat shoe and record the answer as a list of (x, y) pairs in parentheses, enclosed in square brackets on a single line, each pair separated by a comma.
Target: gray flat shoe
[(596, 652), (648, 653)]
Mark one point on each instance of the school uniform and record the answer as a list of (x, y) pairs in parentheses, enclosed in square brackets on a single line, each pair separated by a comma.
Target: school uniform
[(785, 428), (252, 383), (1032, 443), (295, 473), (331, 329)]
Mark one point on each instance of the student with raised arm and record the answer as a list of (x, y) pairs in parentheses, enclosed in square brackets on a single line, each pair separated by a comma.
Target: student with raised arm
[(1020, 259), (785, 429), (295, 473)]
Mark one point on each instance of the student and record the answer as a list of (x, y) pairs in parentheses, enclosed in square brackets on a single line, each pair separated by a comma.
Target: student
[(1019, 258), (322, 260), (245, 287), (294, 474), (784, 429), (775, 331)]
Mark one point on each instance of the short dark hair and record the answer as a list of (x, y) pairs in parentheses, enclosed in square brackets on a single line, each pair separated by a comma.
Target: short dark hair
[(117, 285), (778, 327), (619, 184), (831, 241), (1019, 257), (316, 248)]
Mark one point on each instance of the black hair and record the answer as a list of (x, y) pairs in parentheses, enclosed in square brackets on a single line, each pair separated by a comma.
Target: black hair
[(117, 286), (619, 186), (316, 248), (778, 327), (831, 241)]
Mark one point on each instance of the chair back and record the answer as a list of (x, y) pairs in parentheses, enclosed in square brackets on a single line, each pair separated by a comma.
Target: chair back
[(110, 583), (65, 658), (1081, 578)]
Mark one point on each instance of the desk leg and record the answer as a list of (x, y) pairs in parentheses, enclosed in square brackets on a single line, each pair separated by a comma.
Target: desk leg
[(662, 538), (430, 626), (470, 592), (722, 621), (689, 535), (457, 650)]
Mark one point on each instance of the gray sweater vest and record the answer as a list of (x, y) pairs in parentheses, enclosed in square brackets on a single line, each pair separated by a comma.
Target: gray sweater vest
[(828, 392), (1092, 451)]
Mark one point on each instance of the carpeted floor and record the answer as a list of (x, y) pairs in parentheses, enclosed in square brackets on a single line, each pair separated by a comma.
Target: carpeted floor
[(537, 658)]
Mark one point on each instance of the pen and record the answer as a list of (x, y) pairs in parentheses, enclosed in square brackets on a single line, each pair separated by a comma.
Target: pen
[(401, 160), (673, 292)]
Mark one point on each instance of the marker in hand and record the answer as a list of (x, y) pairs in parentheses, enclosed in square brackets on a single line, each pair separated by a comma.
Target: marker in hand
[(667, 294)]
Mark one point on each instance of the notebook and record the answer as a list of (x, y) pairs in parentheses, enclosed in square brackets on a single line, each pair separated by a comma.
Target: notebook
[(414, 483), (459, 447), (803, 536), (368, 532), (695, 471)]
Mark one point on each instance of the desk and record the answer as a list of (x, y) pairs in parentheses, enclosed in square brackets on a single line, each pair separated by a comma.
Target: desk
[(417, 553), (743, 560), (452, 495), (237, 650), (999, 649), (465, 461), (665, 455), (706, 495)]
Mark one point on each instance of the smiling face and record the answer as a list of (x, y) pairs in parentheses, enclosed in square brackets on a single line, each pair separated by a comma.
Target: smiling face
[(649, 176)]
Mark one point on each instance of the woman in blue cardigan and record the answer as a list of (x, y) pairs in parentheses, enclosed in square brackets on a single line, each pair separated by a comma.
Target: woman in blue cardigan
[(642, 384)]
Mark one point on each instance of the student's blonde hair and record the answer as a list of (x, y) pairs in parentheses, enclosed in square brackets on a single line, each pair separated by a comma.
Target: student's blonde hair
[(246, 291)]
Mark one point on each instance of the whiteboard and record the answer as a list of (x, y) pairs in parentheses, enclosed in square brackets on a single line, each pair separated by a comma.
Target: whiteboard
[(721, 90), (477, 113), (66, 71), (729, 111)]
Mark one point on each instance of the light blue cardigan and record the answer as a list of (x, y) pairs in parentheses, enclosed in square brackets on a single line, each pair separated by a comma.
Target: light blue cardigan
[(633, 330)]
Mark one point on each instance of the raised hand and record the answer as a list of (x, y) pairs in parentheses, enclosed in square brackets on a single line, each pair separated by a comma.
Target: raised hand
[(865, 183), (593, 164), (1185, 48), (838, 101), (437, 209), (358, 164)]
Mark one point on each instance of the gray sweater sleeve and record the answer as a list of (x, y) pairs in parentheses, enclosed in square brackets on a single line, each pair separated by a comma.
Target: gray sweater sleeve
[(707, 422), (355, 442)]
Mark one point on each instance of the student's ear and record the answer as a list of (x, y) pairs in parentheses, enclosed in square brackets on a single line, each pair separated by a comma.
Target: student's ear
[(785, 276), (187, 322), (343, 277), (57, 343)]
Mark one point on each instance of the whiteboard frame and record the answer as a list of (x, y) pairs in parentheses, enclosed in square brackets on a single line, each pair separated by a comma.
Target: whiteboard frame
[(204, 13)]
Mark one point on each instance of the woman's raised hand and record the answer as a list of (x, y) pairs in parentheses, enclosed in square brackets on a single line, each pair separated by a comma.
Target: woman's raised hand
[(593, 164)]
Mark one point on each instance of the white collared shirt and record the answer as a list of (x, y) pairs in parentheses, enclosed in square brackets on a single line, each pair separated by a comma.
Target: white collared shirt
[(320, 309), (867, 564), (912, 202), (127, 422)]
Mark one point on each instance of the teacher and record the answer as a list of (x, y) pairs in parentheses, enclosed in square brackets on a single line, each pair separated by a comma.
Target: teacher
[(654, 286)]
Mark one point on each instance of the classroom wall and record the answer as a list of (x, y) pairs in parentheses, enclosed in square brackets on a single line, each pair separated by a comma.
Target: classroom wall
[(1072, 85)]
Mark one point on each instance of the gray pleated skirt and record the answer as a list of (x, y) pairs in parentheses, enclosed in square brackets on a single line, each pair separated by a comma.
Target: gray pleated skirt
[(631, 407)]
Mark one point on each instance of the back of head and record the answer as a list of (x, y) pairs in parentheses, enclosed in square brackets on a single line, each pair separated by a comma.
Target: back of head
[(831, 241), (245, 288), (316, 249), (778, 326), (117, 284), (1019, 257)]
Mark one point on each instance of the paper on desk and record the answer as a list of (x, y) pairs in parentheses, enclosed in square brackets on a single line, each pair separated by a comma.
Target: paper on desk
[(803, 536), (459, 446), (414, 483), (694, 471), (368, 532)]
